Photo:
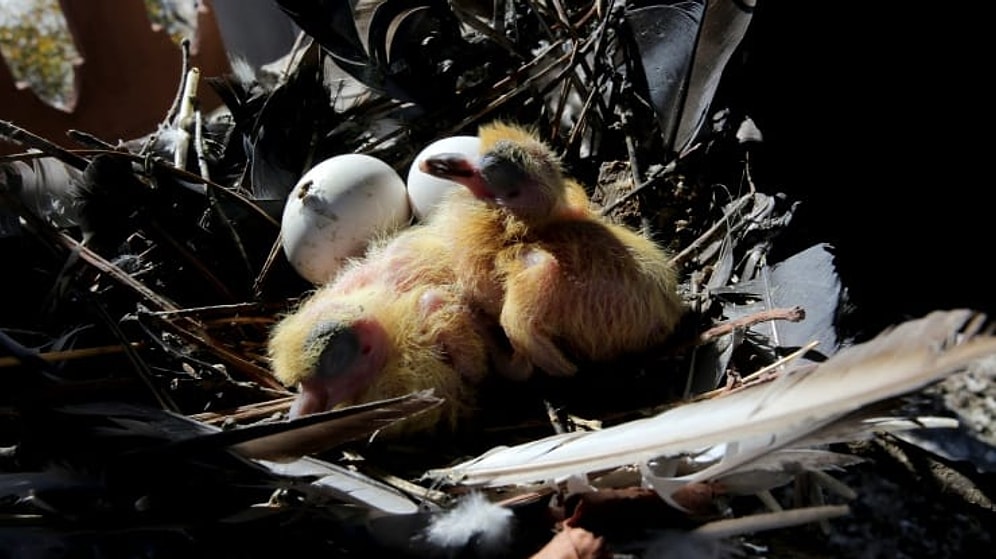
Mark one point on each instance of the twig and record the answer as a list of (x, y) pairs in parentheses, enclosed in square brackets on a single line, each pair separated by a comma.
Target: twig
[(70, 354), (763, 374), (832, 484), (769, 521), (56, 239), (247, 413), (558, 113), (22, 354), (89, 140), (779, 363), (242, 200), (794, 314), (275, 251), (210, 310), (576, 60), (182, 86), (579, 126), (60, 153), (239, 320), (562, 19), (20, 136)]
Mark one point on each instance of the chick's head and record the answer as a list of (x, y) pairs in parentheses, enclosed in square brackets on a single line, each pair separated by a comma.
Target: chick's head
[(332, 346), (515, 171), (370, 344)]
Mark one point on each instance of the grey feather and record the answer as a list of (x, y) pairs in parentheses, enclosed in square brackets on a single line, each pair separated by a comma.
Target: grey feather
[(757, 419)]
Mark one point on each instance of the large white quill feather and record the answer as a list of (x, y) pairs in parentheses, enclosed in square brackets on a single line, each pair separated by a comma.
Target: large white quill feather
[(763, 417)]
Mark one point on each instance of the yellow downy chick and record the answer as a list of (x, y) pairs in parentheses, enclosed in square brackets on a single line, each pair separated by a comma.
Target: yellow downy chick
[(564, 284), (388, 325)]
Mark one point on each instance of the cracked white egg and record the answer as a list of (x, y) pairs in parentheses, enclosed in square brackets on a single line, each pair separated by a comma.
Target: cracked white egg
[(424, 190), (336, 209)]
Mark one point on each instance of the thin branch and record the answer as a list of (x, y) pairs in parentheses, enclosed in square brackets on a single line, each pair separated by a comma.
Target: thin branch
[(769, 521), (794, 314), (275, 251), (182, 86), (20, 136), (89, 140), (247, 413), (71, 354), (212, 310)]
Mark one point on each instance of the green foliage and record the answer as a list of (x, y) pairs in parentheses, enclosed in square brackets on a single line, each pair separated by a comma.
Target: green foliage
[(36, 44), (37, 47)]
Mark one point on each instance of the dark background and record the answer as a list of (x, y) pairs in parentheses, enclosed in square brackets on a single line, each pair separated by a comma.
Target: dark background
[(879, 120)]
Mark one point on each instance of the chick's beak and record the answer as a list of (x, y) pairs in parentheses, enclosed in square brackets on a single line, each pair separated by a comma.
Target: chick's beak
[(457, 168), (311, 398)]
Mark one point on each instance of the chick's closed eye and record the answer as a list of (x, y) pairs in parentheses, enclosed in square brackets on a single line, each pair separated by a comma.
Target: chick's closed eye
[(505, 177)]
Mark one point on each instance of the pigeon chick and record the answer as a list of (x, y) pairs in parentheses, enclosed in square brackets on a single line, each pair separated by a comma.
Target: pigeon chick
[(565, 285), (388, 325)]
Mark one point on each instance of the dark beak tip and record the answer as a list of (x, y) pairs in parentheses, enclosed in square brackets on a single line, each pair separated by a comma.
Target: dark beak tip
[(447, 165)]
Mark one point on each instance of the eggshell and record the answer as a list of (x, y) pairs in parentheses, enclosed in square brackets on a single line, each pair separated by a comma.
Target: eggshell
[(336, 208), (424, 190)]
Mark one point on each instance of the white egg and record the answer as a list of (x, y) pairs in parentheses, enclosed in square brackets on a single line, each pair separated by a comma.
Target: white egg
[(424, 190), (336, 208)]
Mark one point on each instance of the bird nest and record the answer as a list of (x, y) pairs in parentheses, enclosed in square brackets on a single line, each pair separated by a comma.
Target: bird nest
[(148, 274)]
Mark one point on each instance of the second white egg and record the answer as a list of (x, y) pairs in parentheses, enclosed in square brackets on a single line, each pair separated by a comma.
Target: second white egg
[(424, 190)]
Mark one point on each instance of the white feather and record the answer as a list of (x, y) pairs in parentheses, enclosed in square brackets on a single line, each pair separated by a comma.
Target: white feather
[(860, 429), (169, 138), (346, 484), (243, 71), (762, 417), (767, 472), (473, 518)]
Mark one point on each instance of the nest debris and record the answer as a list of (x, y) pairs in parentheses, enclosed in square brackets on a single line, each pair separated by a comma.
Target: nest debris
[(158, 276)]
